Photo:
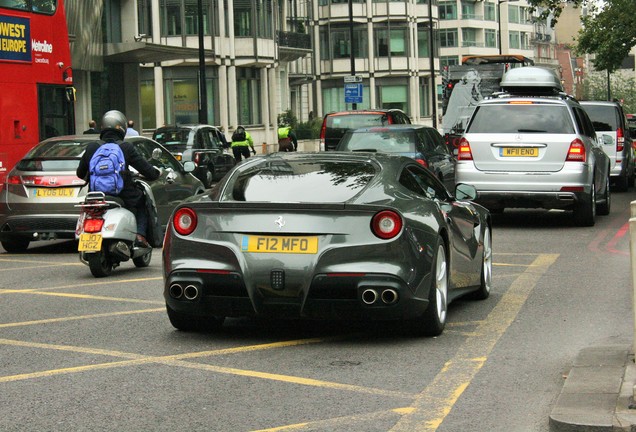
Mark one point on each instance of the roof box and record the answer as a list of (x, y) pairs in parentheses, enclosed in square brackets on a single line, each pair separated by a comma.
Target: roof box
[(531, 80)]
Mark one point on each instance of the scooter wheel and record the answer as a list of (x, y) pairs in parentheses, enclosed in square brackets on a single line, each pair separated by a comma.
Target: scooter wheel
[(144, 260), (100, 264)]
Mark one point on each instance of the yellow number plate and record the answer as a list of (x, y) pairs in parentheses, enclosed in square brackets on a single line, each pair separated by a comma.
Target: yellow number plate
[(520, 152), (295, 245), (54, 192), (90, 242)]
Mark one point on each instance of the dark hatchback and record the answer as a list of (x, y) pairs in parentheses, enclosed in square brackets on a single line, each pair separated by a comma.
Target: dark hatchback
[(336, 124), (202, 144), (422, 143)]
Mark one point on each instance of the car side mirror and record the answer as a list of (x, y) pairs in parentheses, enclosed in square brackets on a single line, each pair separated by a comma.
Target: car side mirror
[(189, 166), (465, 192)]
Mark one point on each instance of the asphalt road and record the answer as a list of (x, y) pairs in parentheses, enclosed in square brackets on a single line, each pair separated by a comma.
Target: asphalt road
[(85, 354)]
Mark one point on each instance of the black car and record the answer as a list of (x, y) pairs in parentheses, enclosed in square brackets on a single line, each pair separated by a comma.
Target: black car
[(422, 143), (336, 124), (202, 144)]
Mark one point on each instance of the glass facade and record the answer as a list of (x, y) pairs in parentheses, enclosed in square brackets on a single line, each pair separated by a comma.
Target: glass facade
[(248, 85)]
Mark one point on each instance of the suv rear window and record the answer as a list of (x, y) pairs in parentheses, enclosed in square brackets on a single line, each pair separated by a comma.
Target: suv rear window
[(604, 117), (513, 118)]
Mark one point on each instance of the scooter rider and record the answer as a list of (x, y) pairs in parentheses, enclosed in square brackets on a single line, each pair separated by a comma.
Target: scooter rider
[(113, 129)]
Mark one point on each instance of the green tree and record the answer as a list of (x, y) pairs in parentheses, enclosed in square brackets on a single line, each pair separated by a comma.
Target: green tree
[(609, 29), (622, 88)]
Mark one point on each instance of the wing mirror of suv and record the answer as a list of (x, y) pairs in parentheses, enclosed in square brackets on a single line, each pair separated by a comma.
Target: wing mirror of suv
[(465, 192)]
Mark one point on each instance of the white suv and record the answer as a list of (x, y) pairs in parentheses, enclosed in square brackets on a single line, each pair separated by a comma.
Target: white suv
[(532, 146)]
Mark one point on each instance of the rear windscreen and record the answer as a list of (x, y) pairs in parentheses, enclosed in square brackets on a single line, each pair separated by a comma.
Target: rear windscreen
[(53, 156), (303, 181), (389, 141), (172, 137), (604, 118), (354, 121), (521, 118)]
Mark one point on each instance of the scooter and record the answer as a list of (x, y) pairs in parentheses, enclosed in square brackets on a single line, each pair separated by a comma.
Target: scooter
[(106, 232)]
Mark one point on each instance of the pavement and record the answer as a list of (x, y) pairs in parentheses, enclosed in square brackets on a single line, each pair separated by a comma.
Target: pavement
[(598, 392)]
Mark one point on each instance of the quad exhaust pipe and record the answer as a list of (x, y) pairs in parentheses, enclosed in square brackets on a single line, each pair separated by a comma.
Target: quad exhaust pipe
[(388, 296), (190, 292)]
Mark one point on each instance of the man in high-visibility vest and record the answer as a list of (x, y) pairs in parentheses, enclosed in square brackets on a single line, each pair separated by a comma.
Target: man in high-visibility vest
[(287, 140), (241, 142)]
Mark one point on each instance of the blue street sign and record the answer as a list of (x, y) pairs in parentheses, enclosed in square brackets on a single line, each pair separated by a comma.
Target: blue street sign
[(353, 93)]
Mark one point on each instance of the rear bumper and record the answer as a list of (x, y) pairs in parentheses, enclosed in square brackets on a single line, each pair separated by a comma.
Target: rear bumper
[(36, 227), (327, 297)]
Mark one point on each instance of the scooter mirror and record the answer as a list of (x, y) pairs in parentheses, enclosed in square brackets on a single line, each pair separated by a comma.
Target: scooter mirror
[(157, 153)]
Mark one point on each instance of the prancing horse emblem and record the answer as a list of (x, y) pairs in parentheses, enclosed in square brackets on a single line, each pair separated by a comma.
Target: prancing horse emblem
[(280, 222)]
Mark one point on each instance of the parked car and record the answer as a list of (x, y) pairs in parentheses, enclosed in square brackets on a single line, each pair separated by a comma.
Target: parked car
[(336, 124), (326, 235), (422, 143), (535, 147), (609, 120), (202, 144), (38, 198)]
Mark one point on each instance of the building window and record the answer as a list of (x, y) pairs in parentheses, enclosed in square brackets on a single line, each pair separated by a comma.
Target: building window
[(333, 99), (192, 17), (182, 95), (423, 41), (514, 39), (148, 110), (249, 96), (264, 19), (447, 10), (513, 14), (490, 11), (390, 42), (178, 17), (447, 38), (243, 18), (469, 37), (425, 96), (468, 11), (171, 17), (393, 97), (144, 15), (448, 61), (491, 38), (335, 41)]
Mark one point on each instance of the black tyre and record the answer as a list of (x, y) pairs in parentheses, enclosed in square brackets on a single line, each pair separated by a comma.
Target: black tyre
[(100, 264), (433, 321), (604, 207), (16, 245), (193, 324), (144, 260), (486, 268), (585, 211)]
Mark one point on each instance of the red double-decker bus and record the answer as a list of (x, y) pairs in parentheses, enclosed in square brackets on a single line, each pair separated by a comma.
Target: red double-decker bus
[(36, 80)]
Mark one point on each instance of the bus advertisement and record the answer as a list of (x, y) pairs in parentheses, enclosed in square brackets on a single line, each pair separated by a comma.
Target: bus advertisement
[(36, 80)]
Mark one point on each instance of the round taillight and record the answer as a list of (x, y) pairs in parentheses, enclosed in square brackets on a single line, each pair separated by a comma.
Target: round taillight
[(386, 224), (184, 221)]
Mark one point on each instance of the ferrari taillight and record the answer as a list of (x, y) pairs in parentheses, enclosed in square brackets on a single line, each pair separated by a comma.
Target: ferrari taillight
[(93, 225), (185, 221), (576, 152), (463, 150), (386, 224)]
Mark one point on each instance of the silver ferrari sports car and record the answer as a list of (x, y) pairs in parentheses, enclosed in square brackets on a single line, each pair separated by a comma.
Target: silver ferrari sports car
[(329, 235)]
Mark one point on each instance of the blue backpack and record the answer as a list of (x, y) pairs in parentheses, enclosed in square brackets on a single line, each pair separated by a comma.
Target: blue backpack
[(106, 168)]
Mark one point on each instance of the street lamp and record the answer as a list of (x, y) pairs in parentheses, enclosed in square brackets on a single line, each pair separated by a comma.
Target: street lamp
[(499, 2)]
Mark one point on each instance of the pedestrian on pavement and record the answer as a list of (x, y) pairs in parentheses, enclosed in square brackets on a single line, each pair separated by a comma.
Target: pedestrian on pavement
[(92, 128), (241, 140), (131, 129)]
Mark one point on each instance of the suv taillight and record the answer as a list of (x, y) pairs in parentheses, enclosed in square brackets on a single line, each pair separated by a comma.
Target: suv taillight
[(463, 152), (576, 152), (620, 139)]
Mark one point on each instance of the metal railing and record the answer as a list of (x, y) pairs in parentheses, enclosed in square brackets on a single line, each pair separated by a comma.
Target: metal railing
[(293, 40)]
